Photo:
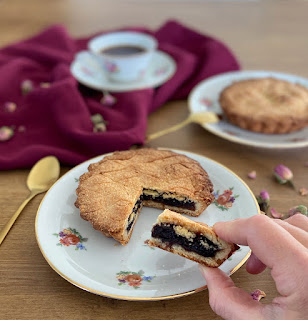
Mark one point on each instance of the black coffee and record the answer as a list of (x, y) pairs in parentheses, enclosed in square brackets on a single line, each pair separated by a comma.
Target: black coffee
[(123, 50)]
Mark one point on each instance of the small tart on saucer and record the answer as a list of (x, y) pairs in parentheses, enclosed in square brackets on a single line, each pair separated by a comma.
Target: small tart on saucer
[(190, 239), (111, 194), (266, 105)]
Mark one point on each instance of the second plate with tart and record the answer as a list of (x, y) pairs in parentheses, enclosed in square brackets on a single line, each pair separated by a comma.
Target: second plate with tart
[(207, 96)]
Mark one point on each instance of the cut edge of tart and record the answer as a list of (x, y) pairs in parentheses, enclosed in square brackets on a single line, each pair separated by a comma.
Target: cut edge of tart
[(190, 239)]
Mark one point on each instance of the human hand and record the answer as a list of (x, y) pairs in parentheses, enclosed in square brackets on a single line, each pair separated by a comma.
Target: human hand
[(279, 245)]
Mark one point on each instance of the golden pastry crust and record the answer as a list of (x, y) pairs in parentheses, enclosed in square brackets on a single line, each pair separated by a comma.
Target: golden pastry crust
[(189, 229), (266, 105), (108, 192)]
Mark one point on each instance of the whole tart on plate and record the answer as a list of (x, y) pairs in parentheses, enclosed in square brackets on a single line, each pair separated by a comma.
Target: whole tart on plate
[(266, 105), (190, 239), (111, 194)]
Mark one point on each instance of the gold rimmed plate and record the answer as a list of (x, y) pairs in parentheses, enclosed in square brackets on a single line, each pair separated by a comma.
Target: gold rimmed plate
[(93, 262)]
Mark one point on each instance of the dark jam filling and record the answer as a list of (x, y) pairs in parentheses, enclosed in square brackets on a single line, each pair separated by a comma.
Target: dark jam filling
[(137, 206), (167, 234), (184, 204)]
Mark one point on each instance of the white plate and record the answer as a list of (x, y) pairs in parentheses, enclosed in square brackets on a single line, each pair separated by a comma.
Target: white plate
[(87, 70), (104, 267), (205, 96)]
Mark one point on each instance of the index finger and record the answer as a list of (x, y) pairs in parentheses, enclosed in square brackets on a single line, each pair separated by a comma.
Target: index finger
[(272, 244)]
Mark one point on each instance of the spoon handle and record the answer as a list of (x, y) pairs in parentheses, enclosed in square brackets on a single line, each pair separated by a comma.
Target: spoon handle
[(10, 223), (168, 130)]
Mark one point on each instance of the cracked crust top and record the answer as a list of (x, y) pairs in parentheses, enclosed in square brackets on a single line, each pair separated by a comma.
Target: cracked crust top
[(108, 191), (266, 105)]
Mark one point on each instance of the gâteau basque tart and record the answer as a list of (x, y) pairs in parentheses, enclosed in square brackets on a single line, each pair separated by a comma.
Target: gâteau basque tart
[(111, 194), (190, 239), (266, 105)]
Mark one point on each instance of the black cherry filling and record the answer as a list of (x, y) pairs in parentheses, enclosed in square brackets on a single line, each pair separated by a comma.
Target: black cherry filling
[(199, 244), (169, 199), (132, 217), (160, 197)]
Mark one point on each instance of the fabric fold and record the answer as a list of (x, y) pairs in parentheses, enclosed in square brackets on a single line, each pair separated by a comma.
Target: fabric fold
[(55, 116)]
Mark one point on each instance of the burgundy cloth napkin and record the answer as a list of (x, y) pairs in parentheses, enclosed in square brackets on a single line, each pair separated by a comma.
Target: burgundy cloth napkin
[(57, 120)]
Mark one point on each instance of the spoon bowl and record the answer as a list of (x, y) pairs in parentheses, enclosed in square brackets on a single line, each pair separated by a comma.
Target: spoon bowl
[(43, 174), (41, 177), (199, 117)]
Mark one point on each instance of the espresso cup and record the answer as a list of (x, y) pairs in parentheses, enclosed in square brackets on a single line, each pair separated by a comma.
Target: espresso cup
[(124, 55)]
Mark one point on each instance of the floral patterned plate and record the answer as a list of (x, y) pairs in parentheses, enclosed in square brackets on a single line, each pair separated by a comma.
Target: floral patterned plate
[(93, 262), (86, 69), (205, 96)]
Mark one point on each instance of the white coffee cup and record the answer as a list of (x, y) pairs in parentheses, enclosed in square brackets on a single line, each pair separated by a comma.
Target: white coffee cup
[(124, 55)]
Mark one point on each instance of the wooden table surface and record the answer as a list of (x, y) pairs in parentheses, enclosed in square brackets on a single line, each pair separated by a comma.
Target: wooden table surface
[(264, 35)]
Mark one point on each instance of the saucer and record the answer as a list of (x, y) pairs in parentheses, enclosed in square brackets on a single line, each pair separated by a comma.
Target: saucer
[(87, 70), (205, 97)]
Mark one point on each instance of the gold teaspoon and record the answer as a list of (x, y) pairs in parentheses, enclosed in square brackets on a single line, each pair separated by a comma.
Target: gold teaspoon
[(200, 117), (41, 177)]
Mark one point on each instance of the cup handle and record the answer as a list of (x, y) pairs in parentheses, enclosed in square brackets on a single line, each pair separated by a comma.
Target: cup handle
[(89, 58)]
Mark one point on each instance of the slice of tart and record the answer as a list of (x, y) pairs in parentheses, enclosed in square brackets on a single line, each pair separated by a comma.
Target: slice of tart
[(111, 194), (193, 240)]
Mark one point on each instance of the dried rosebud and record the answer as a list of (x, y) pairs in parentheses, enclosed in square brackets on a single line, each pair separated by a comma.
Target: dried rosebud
[(258, 295), (298, 209), (26, 86), (97, 118), (108, 99), (283, 174), (21, 129), (45, 84), (100, 127), (264, 195), (303, 191), (263, 200), (275, 214), (252, 174), (6, 133), (10, 106), (99, 124)]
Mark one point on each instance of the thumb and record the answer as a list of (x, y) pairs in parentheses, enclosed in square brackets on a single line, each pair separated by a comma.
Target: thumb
[(226, 299)]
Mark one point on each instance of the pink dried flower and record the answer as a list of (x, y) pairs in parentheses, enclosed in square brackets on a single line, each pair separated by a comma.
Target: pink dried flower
[(264, 195), (275, 214), (283, 174), (45, 84), (10, 106), (6, 133), (298, 209), (108, 99), (303, 191), (100, 127), (258, 295), (263, 200), (21, 129), (26, 86), (99, 123), (252, 174)]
